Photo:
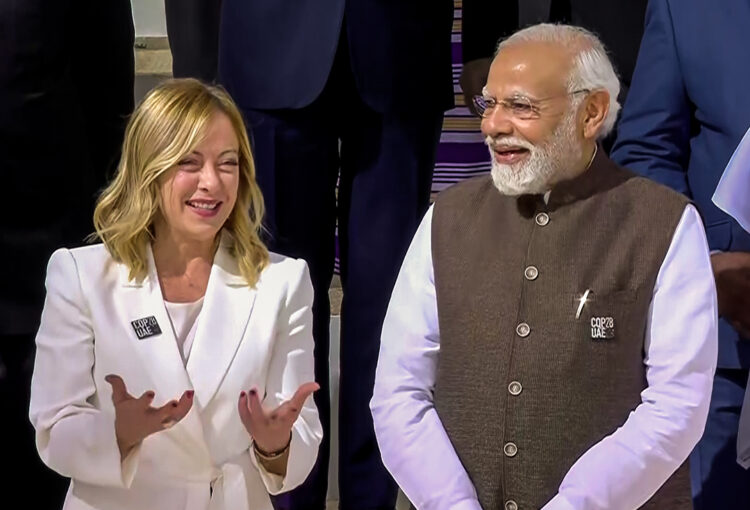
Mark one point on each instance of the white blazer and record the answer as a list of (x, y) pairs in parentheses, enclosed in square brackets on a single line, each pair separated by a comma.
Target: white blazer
[(244, 337)]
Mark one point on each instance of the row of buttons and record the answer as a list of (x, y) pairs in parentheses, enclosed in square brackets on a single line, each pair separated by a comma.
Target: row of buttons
[(523, 330), (531, 273)]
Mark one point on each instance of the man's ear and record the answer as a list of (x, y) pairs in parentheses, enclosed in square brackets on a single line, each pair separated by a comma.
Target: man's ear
[(595, 110)]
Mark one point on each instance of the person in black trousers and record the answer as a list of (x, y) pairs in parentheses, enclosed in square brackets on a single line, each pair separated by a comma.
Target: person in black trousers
[(193, 32), (347, 91), (66, 89)]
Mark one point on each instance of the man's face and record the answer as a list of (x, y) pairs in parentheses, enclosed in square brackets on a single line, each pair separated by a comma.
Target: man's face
[(531, 130)]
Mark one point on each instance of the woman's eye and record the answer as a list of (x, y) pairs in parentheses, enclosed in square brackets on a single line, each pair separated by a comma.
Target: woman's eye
[(188, 165), (228, 166)]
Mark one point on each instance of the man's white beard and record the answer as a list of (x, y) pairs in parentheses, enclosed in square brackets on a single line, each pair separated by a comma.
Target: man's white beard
[(548, 160)]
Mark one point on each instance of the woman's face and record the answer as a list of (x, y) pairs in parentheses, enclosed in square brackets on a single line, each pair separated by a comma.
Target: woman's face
[(199, 193)]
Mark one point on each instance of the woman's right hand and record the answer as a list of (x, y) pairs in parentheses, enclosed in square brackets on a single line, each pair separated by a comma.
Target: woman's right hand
[(136, 419)]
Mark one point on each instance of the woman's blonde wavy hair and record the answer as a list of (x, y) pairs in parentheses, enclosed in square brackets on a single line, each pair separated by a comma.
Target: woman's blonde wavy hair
[(168, 124)]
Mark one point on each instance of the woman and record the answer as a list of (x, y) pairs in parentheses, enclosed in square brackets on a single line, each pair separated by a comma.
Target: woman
[(173, 359)]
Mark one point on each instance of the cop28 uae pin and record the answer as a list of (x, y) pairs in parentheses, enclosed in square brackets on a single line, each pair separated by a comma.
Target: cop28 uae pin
[(146, 327), (602, 328)]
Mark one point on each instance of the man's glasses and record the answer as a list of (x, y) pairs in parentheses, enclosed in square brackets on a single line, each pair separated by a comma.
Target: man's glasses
[(519, 106)]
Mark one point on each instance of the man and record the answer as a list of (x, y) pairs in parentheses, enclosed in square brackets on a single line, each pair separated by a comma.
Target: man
[(193, 30), (618, 22), (687, 110), (551, 338), (347, 91), (66, 88)]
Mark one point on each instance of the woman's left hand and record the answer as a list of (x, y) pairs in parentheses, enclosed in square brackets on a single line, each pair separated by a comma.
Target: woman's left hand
[(271, 429)]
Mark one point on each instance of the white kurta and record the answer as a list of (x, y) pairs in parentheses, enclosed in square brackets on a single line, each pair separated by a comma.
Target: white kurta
[(623, 470)]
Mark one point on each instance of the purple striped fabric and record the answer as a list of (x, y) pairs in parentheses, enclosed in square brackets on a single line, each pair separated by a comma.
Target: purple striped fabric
[(461, 153)]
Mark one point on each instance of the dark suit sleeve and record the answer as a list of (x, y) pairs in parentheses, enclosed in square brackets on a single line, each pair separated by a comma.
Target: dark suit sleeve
[(654, 132), (483, 24)]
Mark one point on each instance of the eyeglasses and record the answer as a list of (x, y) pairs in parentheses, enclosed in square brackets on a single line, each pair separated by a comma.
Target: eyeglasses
[(519, 106)]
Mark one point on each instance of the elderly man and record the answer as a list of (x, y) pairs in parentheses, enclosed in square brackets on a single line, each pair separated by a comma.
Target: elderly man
[(552, 335)]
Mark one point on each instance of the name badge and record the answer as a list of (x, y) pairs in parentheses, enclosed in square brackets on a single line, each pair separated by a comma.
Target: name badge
[(602, 328), (146, 327)]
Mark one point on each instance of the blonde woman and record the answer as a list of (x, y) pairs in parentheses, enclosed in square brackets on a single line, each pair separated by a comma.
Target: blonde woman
[(174, 360)]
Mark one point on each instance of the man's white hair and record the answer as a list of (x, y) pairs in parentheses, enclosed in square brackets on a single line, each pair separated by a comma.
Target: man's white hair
[(592, 68)]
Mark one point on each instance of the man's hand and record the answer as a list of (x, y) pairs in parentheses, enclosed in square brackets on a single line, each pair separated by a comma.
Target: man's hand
[(136, 419), (732, 274), (473, 79)]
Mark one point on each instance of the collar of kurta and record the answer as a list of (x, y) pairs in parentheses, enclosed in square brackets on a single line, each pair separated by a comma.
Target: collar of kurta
[(601, 175)]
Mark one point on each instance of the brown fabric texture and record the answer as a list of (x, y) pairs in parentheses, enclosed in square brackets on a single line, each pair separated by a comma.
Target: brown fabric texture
[(557, 389)]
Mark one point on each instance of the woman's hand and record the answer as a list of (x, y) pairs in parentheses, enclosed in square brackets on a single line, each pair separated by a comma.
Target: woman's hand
[(271, 429), (136, 419)]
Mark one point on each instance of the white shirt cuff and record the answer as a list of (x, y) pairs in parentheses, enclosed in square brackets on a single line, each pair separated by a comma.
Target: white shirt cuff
[(558, 503), (467, 504)]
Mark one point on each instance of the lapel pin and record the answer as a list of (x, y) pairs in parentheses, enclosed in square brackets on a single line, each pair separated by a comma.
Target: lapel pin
[(146, 327), (582, 302)]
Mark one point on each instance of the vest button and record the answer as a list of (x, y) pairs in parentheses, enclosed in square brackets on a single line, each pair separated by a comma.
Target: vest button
[(514, 388), (510, 449), (542, 219), (511, 505), (531, 273), (523, 330)]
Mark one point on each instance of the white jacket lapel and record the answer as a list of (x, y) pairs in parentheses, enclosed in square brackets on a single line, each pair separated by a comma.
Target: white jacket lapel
[(221, 325), (143, 301), (159, 352)]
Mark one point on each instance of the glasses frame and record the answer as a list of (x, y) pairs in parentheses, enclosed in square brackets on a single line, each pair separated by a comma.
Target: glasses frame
[(484, 106)]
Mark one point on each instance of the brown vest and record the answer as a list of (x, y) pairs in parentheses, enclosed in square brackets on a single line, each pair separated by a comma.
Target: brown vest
[(524, 387)]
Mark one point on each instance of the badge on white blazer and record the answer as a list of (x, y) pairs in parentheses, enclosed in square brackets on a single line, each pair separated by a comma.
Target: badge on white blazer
[(146, 327)]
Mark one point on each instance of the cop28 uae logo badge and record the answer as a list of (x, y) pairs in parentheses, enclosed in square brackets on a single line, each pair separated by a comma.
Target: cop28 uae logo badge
[(602, 328), (146, 327)]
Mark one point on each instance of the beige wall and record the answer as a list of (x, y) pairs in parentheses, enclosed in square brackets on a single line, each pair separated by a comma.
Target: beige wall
[(149, 18)]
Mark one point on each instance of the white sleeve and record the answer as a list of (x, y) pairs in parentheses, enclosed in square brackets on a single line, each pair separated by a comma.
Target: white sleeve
[(73, 436), (626, 468), (291, 366), (731, 194), (414, 446)]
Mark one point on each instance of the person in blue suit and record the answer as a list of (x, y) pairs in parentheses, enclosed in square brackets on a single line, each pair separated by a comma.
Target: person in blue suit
[(347, 92), (687, 110)]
